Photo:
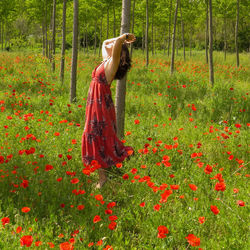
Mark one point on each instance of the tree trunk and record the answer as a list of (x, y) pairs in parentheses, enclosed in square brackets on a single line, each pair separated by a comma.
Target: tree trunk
[(86, 39), (114, 25), (182, 32), (63, 41), (133, 23), (146, 35), (206, 34), (173, 37), (225, 40), (169, 25), (143, 37), (43, 28), (121, 84), (74, 54), (211, 65), (100, 42), (2, 34), (107, 22), (177, 39), (53, 35), (152, 34), (190, 43), (46, 32), (95, 34), (236, 34)]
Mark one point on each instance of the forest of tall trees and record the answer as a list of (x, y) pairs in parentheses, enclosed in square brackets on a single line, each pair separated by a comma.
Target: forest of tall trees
[(30, 23)]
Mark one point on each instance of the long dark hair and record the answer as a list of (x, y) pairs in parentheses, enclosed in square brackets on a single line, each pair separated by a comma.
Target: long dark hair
[(125, 63)]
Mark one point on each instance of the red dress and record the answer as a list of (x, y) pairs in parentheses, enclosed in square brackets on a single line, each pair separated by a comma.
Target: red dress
[(99, 140)]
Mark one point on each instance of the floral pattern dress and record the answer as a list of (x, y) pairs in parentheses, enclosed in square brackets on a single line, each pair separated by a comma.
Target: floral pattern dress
[(99, 140)]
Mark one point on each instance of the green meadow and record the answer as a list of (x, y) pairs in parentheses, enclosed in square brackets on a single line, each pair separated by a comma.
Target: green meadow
[(186, 185)]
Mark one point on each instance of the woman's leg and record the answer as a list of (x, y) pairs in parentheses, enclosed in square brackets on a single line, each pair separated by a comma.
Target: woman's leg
[(102, 177)]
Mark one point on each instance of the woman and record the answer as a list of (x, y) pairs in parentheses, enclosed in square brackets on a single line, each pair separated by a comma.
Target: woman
[(99, 140)]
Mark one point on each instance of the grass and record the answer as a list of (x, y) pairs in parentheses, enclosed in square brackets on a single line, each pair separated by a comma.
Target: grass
[(180, 127)]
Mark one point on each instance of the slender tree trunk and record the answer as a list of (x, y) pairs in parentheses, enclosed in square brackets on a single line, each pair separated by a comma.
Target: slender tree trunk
[(182, 32), (2, 34), (114, 24), (46, 32), (177, 38), (225, 40), (146, 35), (121, 84), (95, 34), (206, 34), (43, 28), (133, 23), (100, 42), (236, 35), (190, 43), (155, 32), (54, 35), (86, 38), (169, 25), (173, 37), (74, 54), (164, 41), (143, 37), (211, 65), (107, 22), (152, 34), (63, 41)]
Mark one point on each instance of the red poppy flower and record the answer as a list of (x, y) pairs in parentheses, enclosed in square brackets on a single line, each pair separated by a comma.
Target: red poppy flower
[(220, 186), (74, 181), (48, 167), (5, 220), (112, 225), (202, 220), (241, 203), (165, 195), (136, 121), (214, 209), (18, 230), (174, 187), (97, 218), (66, 246), (125, 176), (157, 207), (25, 209), (142, 204), (38, 243), (51, 245), (26, 240), (113, 217), (193, 240), (111, 204), (99, 243), (193, 187), (80, 207), (208, 169), (162, 231)]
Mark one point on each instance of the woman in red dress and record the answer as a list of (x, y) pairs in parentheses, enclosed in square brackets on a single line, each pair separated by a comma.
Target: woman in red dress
[(99, 140)]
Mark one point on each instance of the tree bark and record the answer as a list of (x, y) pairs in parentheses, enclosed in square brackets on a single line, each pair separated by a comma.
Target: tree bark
[(173, 37), (236, 34), (143, 37), (133, 23), (121, 84), (114, 24), (43, 38), (206, 33), (190, 43), (152, 34), (107, 21), (74, 54), (146, 35), (182, 32), (63, 41), (100, 42), (95, 34), (225, 39), (211, 65), (46, 32), (53, 35), (169, 25), (2, 34)]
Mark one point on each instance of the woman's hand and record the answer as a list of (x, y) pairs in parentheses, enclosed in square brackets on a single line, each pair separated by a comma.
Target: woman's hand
[(131, 38)]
